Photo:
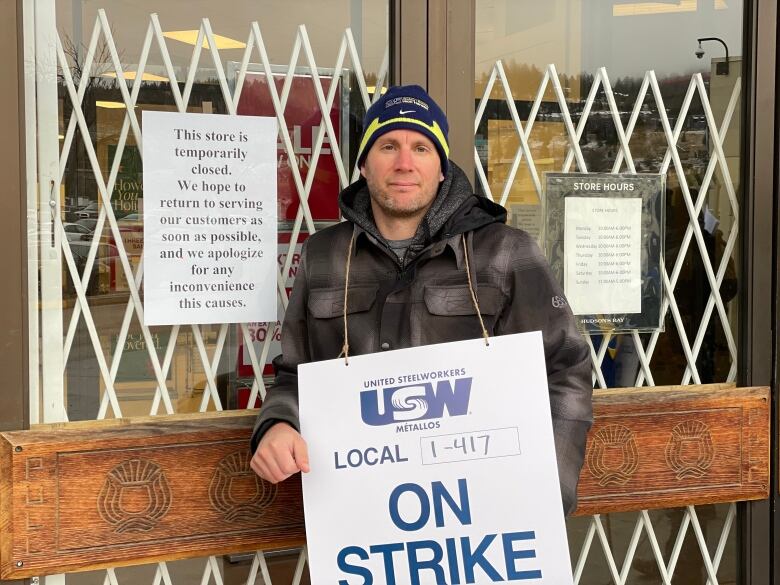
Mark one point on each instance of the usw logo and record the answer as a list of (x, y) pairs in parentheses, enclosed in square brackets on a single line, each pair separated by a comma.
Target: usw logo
[(415, 402)]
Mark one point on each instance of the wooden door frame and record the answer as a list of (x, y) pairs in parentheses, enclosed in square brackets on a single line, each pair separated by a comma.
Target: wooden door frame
[(760, 338), (432, 45)]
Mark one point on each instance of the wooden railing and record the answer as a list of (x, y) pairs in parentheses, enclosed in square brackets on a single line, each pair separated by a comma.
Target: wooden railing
[(97, 494)]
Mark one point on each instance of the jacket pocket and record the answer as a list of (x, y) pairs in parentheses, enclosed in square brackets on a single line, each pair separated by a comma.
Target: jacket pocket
[(326, 303), (456, 300)]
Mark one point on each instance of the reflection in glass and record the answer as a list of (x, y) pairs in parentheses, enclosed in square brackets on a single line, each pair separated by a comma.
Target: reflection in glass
[(106, 244), (573, 50), (579, 39)]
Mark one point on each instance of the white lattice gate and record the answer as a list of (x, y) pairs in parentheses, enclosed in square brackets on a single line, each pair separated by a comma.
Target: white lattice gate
[(56, 68), (620, 572)]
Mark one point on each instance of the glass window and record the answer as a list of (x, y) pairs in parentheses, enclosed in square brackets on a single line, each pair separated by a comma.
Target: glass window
[(109, 368), (576, 40), (556, 58), (110, 154)]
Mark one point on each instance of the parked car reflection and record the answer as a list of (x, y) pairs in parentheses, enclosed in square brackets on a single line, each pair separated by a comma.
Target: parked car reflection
[(76, 232), (90, 211), (89, 223), (103, 267)]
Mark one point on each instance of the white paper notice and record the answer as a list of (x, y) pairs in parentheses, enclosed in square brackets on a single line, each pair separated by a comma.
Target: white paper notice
[(602, 250), (209, 218), (433, 465)]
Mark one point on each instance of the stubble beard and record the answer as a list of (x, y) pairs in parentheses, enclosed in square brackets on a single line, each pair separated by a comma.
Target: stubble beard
[(413, 207)]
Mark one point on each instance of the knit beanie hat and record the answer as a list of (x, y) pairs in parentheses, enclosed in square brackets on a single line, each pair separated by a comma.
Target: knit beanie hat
[(406, 107)]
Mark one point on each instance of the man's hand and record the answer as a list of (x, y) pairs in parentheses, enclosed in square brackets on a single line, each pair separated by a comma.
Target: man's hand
[(281, 453)]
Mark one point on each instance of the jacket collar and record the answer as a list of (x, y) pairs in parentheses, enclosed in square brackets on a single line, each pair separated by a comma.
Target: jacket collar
[(455, 243)]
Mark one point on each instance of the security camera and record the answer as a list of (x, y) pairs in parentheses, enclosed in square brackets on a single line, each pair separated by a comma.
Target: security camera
[(699, 53)]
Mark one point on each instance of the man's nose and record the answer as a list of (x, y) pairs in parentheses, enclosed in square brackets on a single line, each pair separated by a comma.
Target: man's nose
[(404, 159)]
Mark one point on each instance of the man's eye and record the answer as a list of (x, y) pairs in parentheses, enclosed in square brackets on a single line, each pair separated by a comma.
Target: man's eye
[(423, 149)]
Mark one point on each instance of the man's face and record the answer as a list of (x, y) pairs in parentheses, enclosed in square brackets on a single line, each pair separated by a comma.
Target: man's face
[(403, 172)]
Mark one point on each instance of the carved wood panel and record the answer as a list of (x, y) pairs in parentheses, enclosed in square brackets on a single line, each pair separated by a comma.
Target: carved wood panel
[(108, 493), (666, 447), (101, 494)]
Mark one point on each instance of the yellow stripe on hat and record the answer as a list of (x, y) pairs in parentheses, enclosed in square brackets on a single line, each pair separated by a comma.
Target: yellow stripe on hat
[(435, 129)]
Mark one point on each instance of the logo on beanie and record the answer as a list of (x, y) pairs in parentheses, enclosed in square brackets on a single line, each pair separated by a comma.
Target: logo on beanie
[(405, 100)]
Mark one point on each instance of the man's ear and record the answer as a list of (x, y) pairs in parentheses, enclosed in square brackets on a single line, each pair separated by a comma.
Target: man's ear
[(363, 170), (441, 176)]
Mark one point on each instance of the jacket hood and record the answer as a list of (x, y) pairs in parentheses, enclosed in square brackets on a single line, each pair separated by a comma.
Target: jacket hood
[(455, 210)]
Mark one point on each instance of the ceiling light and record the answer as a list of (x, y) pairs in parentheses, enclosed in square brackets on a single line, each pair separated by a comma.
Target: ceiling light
[(132, 75), (109, 105), (191, 36), (645, 8)]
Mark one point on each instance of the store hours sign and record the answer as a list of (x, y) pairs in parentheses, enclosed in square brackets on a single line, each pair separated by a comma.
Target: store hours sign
[(433, 464), (604, 240)]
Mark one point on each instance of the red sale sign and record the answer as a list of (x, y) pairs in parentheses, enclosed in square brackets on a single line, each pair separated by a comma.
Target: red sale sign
[(303, 118), (259, 332)]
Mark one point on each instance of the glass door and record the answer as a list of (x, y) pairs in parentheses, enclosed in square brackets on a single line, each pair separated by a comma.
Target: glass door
[(314, 70)]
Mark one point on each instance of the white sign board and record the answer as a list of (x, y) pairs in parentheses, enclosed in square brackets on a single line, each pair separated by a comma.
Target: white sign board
[(209, 218), (603, 271), (433, 465)]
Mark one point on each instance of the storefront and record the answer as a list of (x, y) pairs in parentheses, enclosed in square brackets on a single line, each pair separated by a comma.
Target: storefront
[(685, 89)]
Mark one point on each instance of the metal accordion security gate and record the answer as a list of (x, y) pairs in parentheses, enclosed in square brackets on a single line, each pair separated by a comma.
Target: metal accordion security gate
[(619, 570), (63, 77)]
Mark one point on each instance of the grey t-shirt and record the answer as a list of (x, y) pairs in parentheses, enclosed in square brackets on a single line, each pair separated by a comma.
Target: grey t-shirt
[(400, 247)]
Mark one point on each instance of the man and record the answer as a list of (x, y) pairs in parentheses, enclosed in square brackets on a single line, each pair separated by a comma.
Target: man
[(418, 254)]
